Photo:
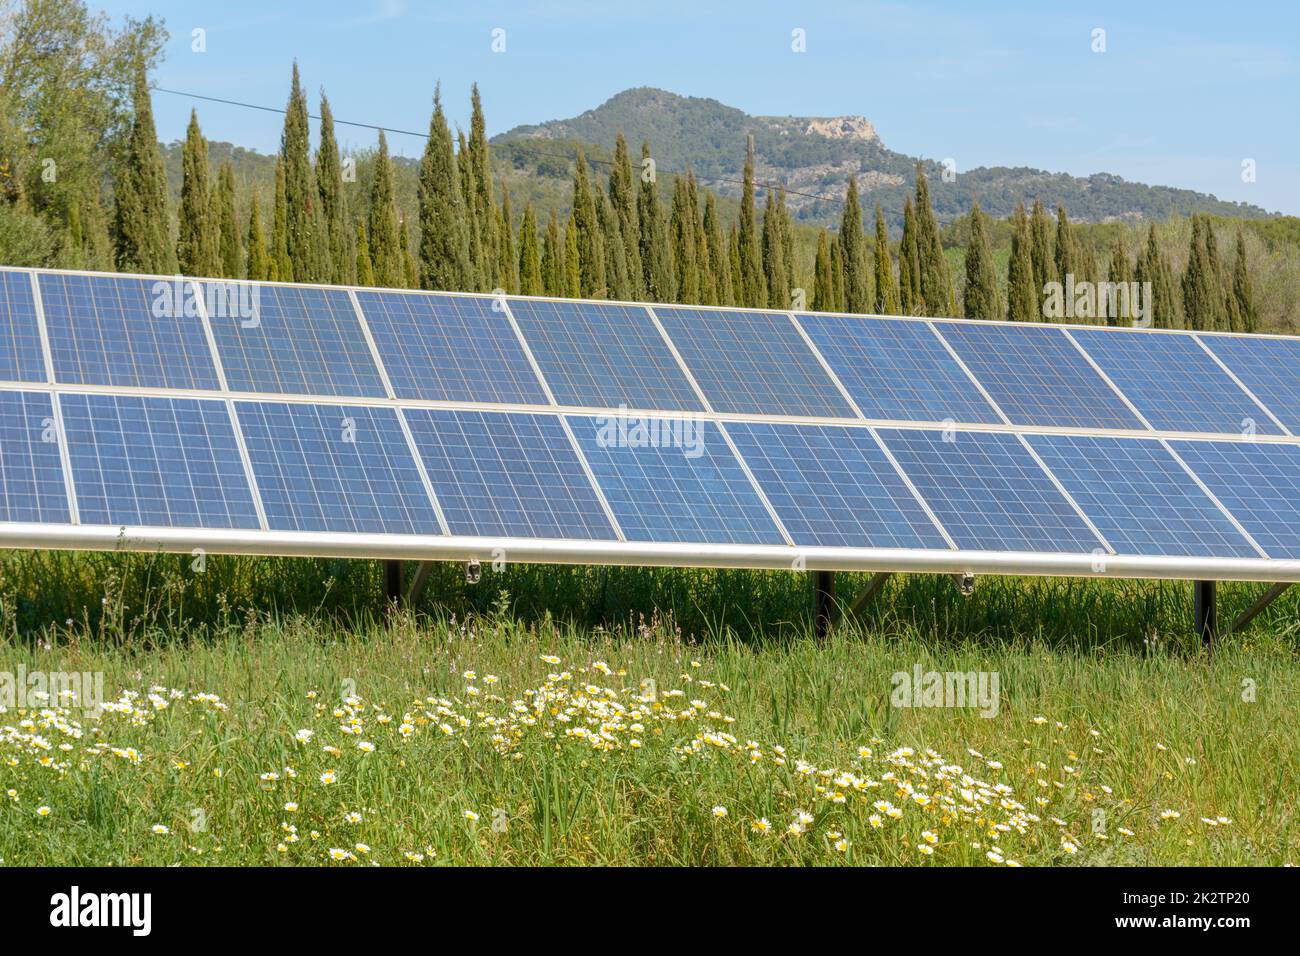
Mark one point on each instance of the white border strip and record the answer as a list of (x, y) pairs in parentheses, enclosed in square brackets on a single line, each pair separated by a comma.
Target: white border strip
[(1240, 384), (56, 408)]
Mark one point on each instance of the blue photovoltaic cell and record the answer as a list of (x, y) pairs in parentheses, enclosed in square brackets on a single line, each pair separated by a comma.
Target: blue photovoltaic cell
[(1259, 484), (989, 493), (295, 340), (753, 362), (689, 489), (450, 348), (1269, 367), (1139, 497), (1037, 376), (31, 471), (515, 475), (1173, 382), (109, 330), (897, 369), (833, 486), (603, 356), (21, 358), (158, 462), (335, 468)]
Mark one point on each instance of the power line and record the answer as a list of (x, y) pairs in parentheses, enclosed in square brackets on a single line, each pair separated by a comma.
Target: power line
[(407, 132)]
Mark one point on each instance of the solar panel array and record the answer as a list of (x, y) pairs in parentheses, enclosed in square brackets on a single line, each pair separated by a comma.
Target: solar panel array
[(141, 403)]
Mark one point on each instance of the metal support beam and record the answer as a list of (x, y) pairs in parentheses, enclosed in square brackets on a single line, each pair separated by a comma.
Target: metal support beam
[(823, 601), (393, 582), (1205, 610), (416, 590), (876, 582), (1263, 601)]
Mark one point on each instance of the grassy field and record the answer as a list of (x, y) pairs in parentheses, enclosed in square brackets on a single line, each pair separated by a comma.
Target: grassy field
[(478, 729)]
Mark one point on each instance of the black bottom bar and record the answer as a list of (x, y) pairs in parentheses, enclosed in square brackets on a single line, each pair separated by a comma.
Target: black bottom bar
[(1205, 610), (823, 601)]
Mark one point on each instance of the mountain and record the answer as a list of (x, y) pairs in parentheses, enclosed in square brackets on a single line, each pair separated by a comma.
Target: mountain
[(815, 156)]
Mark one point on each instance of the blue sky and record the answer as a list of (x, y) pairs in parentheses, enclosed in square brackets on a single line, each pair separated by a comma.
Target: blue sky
[(1180, 97)]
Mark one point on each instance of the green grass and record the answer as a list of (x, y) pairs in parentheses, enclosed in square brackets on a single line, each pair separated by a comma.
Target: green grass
[(282, 645)]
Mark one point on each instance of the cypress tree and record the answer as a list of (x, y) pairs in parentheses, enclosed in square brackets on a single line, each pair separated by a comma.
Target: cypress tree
[(751, 252), (301, 205), (618, 286), (281, 267), (553, 259), (886, 293), (787, 244), (737, 270), (1022, 298), (197, 249), (1153, 268), (141, 238), (591, 252), (365, 267), (1119, 274), (981, 296), (823, 288), (385, 243), (837, 277), (530, 264), (936, 284), (706, 292), (410, 270), (909, 264), (259, 264), (507, 263), (652, 239), (1202, 299), (484, 206), (853, 253), (1066, 255), (231, 250), (622, 194), (572, 272), (476, 276), (1241, 289), (682, 242), (338, 234), (1041, 250), (444, 233), (719, 260), (775, 273)]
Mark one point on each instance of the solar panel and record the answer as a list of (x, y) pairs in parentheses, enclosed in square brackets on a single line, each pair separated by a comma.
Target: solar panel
[(109, 330), (450, 348), (602, 355), (1139, 497), (1036, 376), (832, 486), (31, 470), (1174, 383), (897, 369), (673, 480), (1269, 367), (156, 462), (295, 340), (507, 474), (21, 357), (1258, 482), (335, 468), (752, 362), (988, 492)]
